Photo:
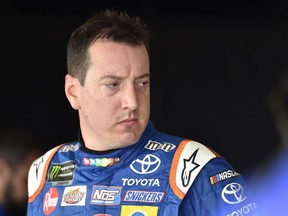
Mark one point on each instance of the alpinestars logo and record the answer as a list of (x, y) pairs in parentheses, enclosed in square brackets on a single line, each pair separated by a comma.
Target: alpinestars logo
[(37, 164), (189, 166)]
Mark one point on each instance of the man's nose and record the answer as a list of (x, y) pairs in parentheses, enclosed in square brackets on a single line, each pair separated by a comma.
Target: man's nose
[(130, 98)]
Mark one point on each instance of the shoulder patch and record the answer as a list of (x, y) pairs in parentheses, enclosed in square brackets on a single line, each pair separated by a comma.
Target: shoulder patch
[(37, 173), (190, 157)]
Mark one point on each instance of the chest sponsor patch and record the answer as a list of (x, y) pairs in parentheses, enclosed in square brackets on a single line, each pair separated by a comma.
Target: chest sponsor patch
[(105, 195), (227, 174), (233, 193), (146, 165), (127, 210), (154, 145), (141, 182), (143, 196), (74, 196), (67, 148), (62, 174), (50, 201)]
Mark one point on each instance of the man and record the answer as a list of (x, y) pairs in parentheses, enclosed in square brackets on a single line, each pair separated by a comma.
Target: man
[(121, 165)]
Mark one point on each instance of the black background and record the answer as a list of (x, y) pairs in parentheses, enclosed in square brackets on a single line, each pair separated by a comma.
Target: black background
[(213, 65)]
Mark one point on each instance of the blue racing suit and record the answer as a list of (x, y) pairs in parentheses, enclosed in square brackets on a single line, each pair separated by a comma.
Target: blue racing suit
[(159, 175)]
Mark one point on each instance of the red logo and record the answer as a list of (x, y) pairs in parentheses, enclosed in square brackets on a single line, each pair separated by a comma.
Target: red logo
[(86, 161), (50, 201)]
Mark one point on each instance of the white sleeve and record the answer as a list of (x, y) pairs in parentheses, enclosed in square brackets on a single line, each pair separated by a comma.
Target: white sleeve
[(190, 157), (37, 173)]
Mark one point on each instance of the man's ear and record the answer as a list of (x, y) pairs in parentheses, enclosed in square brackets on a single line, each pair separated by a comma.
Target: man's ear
[(71, 90)]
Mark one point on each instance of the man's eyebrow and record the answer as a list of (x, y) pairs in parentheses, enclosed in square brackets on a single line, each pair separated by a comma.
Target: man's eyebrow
[(111, 76), (143, 75)]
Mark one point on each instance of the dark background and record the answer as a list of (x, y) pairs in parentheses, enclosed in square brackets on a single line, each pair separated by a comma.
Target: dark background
[(213, 66)]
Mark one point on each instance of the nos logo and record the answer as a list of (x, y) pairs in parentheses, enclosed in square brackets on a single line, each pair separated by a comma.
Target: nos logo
[(105, 195)]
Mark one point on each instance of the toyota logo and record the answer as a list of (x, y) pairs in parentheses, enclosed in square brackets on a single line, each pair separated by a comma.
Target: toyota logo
[(233, 193), (147, 165)]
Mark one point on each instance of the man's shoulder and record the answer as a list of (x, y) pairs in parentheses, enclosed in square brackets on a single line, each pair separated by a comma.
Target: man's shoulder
[(38, 169), (189, 159), (64, 147)]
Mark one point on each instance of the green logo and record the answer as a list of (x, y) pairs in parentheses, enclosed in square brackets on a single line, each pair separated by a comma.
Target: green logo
[(54, 171), (62, 173)]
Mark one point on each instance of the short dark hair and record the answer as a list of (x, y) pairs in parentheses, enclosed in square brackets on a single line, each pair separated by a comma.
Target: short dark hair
[(114, 25)]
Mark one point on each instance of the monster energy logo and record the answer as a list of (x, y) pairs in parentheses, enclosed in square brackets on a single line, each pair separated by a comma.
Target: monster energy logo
[(62, 173), (55, 169)]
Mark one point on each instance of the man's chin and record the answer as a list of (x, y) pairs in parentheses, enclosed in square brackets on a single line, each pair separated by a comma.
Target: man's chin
[(128, 140)]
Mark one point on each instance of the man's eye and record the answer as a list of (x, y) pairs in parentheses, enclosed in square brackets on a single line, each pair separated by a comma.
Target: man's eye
[(142, 83), (112, 85)]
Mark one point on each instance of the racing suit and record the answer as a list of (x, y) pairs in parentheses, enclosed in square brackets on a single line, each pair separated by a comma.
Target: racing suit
[(159, 175)]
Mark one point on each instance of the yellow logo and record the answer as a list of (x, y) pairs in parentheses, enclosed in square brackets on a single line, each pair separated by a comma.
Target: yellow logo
[(139, 210)]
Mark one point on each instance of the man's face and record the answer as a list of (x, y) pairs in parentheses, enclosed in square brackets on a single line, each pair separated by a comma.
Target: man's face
[(114, 103)]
